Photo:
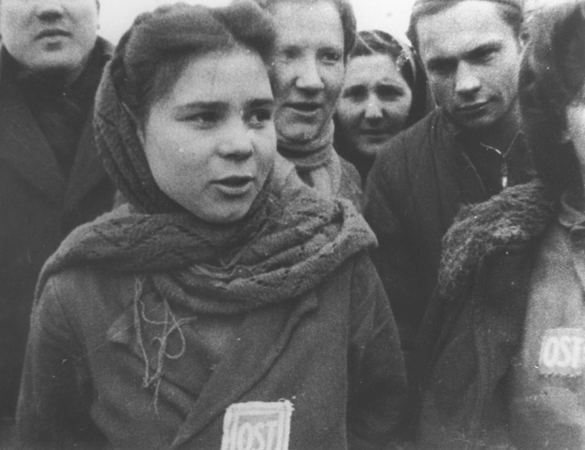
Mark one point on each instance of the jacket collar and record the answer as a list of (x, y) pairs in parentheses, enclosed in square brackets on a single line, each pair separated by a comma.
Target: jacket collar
[(24, 147)]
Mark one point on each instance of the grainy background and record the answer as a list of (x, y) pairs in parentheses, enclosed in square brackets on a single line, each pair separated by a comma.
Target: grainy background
[(116, 16)]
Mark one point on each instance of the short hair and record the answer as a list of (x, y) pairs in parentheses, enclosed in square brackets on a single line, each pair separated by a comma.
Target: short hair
[(511, 15), (153, 53), (552, 76), (346, 15), (372, 42)]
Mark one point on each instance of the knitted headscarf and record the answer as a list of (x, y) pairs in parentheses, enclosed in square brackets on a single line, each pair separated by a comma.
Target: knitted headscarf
[(552, 74), (289, 241)]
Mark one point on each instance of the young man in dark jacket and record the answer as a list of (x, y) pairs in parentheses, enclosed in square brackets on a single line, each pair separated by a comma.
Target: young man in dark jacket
[(464, 152), (51, 180)]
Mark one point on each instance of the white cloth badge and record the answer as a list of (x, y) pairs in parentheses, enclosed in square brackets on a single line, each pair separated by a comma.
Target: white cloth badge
[(562, 352), (257, 426)]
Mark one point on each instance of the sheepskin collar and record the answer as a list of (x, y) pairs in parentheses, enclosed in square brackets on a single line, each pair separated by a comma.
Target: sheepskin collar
[(512, 219)]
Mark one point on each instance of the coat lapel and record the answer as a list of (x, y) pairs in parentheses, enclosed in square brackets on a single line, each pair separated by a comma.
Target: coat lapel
[(23, 146), (260, 340), (87, 170)]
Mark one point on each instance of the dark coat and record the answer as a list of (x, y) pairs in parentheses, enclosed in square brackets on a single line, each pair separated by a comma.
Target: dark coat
[(474, 325), (413, 193), (333, 353), (38, 208)]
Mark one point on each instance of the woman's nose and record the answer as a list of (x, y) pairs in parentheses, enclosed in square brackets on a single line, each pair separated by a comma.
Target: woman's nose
[(237, 142), (308, 76), (373, 109)]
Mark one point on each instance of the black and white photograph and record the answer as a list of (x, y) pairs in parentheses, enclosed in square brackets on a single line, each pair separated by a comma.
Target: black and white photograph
[(292, 225)]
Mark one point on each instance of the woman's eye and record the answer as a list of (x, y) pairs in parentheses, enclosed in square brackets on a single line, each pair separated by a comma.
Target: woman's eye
[(356, 93), (204, 119), (389, 92), (288, 54), (259, 117), (331, 57)]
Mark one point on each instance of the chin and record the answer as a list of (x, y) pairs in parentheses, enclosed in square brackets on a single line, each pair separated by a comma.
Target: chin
[(57, 67), (480, 123), (225, 215), (297, 131), (369, 150)]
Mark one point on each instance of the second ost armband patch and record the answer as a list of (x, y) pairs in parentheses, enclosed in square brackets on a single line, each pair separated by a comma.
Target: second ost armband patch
[(562, 352)]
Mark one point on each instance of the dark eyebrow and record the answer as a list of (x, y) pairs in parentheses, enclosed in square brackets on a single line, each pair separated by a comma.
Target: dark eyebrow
[(471, 54), (187, 107), (261, 103), (485, 47), (439, 61)]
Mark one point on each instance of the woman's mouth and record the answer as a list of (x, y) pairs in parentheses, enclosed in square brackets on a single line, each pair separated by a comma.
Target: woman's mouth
[(305, 107), (235, 185)]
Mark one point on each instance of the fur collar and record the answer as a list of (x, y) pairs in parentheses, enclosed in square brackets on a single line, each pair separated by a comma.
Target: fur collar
[(514, 218)]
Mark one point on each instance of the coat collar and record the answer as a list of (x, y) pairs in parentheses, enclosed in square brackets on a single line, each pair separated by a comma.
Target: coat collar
[(24, 147), (513, 218)]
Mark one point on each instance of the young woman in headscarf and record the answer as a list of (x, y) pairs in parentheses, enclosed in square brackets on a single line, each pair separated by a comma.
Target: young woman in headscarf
[(501, 355), (226, 305), (313, 41), (385, 92)]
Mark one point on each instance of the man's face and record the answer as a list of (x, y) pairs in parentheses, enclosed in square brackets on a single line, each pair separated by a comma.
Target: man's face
[(50, 35), (472, 57)]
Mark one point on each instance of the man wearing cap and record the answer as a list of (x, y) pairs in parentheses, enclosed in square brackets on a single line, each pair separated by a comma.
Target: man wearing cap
[(464, 152), (51, 180)]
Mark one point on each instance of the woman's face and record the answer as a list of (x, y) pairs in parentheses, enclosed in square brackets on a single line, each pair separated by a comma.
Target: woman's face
[(308, 67), (374, 104), (210, 143)]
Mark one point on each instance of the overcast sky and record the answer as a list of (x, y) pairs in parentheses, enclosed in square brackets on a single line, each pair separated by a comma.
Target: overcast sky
[(389, 15)]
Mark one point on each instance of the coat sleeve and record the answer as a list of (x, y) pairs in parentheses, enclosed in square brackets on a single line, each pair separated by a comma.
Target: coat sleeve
[(387, 193), (54, 402), (377, 380)]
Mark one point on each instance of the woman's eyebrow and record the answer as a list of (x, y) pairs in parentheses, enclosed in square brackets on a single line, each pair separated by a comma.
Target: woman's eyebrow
[(201, 105)]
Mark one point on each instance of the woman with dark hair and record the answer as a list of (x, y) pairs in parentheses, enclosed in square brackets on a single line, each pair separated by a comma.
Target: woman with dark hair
[(313, 41), (501, 360), (385, 92), (227, 305)]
